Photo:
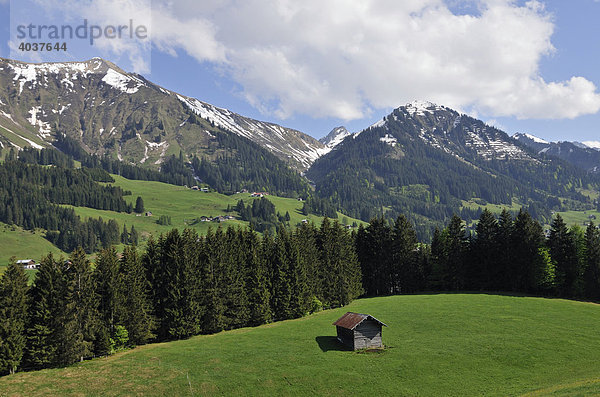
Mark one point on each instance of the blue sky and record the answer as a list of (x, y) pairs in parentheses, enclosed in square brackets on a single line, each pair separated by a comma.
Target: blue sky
[(524, 66)]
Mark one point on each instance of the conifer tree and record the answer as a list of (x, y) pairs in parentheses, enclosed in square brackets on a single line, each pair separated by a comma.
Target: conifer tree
[(339, 263), (133, 236), (139, 205), (151, 261), (111, 296), (501, 273), (80, 317), (136, 316), (213, 318), (437, 278), (563, 252), (234, 277), (306, 284), (527, 239), (46, 306), (406, 275), (456, 245), (13, 311), (281, 292), (124, 235), (592, 262), (373, 246), (259, 310), (484, 252)]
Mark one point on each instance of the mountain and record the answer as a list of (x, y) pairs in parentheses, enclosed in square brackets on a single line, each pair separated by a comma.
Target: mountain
[(576, 153), (335, 137), (427, 160), (126, 116), (592, 144)]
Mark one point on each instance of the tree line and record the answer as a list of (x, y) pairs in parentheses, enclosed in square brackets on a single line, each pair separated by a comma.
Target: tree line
[(509, 254), (180, 285), (30, 197)]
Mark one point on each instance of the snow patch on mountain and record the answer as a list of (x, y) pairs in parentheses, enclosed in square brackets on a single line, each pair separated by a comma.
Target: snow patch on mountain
[(532, 137), (275, 137), (38, 73), (43, 127), (388, 139), (592, 144), (335, 137), (122, 82), (420, 108)]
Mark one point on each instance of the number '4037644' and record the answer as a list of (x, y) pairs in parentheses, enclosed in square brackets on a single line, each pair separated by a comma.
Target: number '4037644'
[(43, 46)]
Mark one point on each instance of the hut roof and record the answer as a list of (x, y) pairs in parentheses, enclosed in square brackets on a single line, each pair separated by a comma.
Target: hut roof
[(352, 320)]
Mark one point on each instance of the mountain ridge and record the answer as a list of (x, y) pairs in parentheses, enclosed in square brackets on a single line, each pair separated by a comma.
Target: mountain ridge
[(33, 119)]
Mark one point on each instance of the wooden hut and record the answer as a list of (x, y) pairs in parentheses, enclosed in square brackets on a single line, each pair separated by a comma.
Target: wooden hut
[(359, 331)]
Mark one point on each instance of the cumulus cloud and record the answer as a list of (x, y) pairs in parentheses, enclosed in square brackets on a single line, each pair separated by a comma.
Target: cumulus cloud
[(343, 58)]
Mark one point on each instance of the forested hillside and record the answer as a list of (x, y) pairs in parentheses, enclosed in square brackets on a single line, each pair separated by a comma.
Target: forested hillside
[(424, 160)]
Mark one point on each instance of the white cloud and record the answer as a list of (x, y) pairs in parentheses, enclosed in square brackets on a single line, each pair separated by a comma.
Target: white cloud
[(342, 58)]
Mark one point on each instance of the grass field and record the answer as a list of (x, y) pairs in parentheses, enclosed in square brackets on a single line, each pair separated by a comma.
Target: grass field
[(446, 345), (23, 244), (183, 205)]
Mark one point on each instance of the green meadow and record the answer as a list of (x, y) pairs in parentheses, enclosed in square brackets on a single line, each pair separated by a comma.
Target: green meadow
[(437, 345), (184, 206)]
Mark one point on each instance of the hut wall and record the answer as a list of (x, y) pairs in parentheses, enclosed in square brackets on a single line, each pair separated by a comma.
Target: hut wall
[(346, 336), (367, 334)]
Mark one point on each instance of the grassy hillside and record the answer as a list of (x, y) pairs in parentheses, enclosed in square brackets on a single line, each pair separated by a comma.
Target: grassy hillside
[(183, 205), (23, 244), (186, 206), (437, 345)]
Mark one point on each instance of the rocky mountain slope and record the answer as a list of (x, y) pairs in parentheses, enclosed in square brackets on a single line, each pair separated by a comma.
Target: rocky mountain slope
[(428, 160), (576, 153), (126, 116)]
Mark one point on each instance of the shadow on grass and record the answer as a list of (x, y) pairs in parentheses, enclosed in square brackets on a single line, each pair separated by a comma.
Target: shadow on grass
[(327, 343)]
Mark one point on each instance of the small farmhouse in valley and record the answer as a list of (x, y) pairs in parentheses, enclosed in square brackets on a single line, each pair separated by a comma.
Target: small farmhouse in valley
[(359, 331), (28, 264)]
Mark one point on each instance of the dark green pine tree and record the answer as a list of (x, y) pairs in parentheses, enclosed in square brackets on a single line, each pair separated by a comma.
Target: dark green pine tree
[(527, 240), (234, 278), (13, 311), (501, 274), (80, 318), (133, 236), (136, 317), (139, 205), (339, 265), (305, 286), (592, 262), (212, 252), (298, 276), (406, 275), (456, 248), (484, 253), (281, 291), (124, 235), (257, 286), (437, 278), (172, 325), (373, 247), (191, 281), (111, 296), (151, 260), (46, 307), (563, 252)]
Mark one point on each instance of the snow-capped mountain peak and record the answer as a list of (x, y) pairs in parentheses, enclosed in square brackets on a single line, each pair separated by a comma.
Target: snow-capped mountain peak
[(592, 144), (520, 136), (335, 137)]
